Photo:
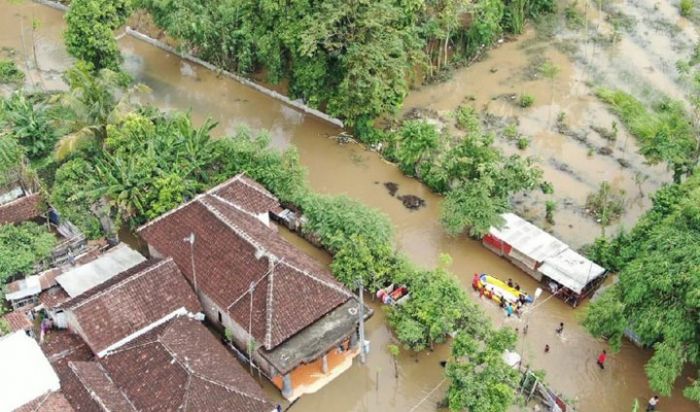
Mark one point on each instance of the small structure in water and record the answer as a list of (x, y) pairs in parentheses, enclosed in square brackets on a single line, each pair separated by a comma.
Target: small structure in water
[(565, 272)]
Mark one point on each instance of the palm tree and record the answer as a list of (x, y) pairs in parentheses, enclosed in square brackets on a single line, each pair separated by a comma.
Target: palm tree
[(93, 102)]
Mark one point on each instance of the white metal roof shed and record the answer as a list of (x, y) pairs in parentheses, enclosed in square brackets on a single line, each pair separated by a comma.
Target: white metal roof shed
[(527, 238), (89, 275), (571, 269), (28, 286), (27, 374)]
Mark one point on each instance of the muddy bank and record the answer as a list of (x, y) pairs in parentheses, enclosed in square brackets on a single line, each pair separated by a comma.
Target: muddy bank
[(352, 170)]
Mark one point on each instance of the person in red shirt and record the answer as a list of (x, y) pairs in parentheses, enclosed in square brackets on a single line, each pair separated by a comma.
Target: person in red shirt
[(601, 359)]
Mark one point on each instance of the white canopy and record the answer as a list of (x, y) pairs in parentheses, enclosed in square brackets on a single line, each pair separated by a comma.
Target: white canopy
[(571, 270), (26, 373), (89, 275)]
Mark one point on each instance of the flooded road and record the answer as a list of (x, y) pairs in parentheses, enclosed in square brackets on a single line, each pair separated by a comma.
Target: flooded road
[(350, 169)]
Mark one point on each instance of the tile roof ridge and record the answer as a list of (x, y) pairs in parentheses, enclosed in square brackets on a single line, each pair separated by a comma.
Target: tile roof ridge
[(235, 178), (265, 192), (119, 284), (191, 372), (269, 308), (233, 205), (242, 233), (255, 283), (73, 364), (326, 283), (118, 344), (170, 212)]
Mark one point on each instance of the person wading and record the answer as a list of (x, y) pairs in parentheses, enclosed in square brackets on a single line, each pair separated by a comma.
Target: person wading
[(601, 359), (651, 406)]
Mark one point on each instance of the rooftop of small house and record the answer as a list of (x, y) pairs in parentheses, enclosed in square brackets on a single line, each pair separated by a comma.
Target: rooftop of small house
[(176, 365), (239, 256), (113, 311), (114, 261)]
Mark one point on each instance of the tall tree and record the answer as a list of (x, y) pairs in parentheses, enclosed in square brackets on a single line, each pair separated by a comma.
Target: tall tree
[(90, 32)]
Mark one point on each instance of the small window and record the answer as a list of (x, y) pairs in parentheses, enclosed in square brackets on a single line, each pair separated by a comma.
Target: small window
[(221, 319)]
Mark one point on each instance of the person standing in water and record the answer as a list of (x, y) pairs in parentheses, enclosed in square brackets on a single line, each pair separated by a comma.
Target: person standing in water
[(560, 329), (601, 359), (651, 406)]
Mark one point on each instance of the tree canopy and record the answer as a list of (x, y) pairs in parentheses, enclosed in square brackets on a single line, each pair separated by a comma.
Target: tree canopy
[(658, 294), (23, 246), (90, 29)]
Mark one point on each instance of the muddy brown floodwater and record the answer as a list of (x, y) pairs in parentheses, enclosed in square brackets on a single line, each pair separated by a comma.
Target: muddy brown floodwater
[(350, 169)]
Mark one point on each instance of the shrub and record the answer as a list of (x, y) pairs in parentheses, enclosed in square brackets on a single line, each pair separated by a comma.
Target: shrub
[(523, 142), (23, 246), (10, 73), (686, 7), (606, 205), (526, 100), (467, 119)]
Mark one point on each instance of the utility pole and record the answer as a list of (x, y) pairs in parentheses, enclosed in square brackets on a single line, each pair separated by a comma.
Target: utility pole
[(190, 239), (363, 355)]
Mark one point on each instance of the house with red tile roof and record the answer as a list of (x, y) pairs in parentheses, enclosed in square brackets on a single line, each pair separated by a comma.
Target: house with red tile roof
[(282, 310), (110, 313)]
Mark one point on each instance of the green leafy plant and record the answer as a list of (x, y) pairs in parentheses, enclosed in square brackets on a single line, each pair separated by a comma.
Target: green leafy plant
[(526, 100), (523, 142), (10, 73), (550, 208), (686, 7), (90, 29), (21, 247)]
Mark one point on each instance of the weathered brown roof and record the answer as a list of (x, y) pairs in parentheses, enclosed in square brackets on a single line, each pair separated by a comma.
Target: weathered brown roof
[(21, 209), (100, 386), (249, 195), (47, 278), (130, 301), (52, 402), (62, 347), (18, 320), (234, 250), (53, 297), (182, 366)]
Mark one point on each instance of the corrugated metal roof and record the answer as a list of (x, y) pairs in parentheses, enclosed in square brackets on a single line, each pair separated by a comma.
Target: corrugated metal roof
[(571, 269), (528, 238), (113, 262), (559, 261), (28, 286)]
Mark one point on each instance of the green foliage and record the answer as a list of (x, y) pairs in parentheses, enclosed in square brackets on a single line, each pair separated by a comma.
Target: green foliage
[(526, 100), (472, 207), (606, 205), (11, 155), (89, 35), (73, 195), (29, 120), (337, 220), (23, 246), (550, 207), (467, 119), (480, 381), (355, 58), (665, 133), (9, 72), (523, 142), (416, 141), (658, 295), (574, 18), (357, 259), (686, 7)]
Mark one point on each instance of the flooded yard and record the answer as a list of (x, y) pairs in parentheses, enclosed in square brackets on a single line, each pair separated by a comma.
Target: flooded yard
[(353, 170)]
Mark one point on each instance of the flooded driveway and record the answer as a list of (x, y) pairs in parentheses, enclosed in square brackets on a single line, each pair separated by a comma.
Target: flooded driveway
[(350, 169)]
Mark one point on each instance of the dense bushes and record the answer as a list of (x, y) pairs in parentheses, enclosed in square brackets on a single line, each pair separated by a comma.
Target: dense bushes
[(353, 58), (23, 246), (476, 177), (658, 294)]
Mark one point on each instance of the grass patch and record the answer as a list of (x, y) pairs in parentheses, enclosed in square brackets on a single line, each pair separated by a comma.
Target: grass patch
[(10, 73), (606, 205)]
